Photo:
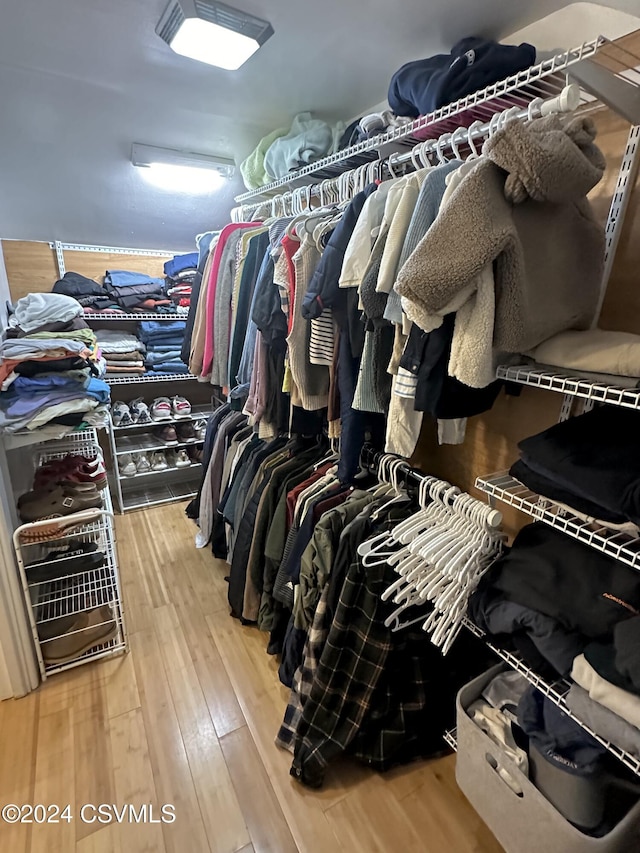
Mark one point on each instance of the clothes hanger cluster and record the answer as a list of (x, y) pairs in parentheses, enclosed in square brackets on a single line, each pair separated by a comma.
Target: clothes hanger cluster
[(445, 548)]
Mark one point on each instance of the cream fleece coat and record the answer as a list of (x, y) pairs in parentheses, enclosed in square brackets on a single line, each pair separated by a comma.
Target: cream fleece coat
[(524, 209)]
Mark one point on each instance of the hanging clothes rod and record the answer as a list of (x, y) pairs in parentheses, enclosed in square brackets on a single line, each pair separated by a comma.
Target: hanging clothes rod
[(566, 102), (448, 493), (347, 184)]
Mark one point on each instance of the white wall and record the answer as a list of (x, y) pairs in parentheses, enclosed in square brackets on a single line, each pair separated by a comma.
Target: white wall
[(576, 23)]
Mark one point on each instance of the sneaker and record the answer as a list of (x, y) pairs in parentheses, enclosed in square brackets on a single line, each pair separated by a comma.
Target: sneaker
[(120, 414), (142, 462), (180, 407), (139, 411), (127, 466), (186, 432), (161, 409), (182, 460), (165, 435), (171, 455), (200, 428), (158, 460)]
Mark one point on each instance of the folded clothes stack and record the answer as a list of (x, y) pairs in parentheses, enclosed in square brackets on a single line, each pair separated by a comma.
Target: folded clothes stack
[(576, 463), (163, 341), (181, 272), (570, 610), (91, 295), (122, 352), (128, 292), (137, 292), (49, 367)]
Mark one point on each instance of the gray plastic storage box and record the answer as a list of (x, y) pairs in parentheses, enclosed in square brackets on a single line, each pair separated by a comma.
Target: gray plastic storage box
[(525, 823)]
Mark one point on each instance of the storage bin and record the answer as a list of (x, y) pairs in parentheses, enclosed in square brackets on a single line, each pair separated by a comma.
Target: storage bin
[(522, 822)]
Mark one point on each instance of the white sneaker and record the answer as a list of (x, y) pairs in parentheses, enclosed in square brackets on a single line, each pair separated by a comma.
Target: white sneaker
[(120, 414), (142, 463), (200, 428), (158, 461), (127, 466), (161, 409), (182, 460)]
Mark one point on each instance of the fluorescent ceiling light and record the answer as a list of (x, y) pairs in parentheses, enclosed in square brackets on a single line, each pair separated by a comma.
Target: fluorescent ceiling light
[(181, 171), (212, 32)]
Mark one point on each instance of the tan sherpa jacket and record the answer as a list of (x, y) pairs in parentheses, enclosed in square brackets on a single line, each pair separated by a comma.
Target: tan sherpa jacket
[(524, 209)]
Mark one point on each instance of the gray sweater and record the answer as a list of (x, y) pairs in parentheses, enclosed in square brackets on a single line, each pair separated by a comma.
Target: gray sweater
[(525, 210)]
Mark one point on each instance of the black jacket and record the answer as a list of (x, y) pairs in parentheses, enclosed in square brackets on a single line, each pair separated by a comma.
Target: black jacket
[(323, 290)]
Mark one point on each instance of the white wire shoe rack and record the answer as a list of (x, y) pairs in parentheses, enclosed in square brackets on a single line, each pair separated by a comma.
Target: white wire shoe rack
[(84, 609), (153, 487)]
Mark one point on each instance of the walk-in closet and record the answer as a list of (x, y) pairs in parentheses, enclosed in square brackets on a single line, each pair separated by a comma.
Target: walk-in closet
[(319, 417)]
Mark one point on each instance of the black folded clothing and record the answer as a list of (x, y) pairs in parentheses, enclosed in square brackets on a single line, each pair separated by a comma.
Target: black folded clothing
[(548, 489), (581, 588), (595, 456), (60, 365), (65, 563), (78, 286)]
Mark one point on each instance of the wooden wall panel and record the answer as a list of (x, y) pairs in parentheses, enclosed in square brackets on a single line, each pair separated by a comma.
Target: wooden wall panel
[(95, 264), (32, 267)]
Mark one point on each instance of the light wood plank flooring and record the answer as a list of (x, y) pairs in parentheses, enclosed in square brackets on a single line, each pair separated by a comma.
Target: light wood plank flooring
[(188, 718)]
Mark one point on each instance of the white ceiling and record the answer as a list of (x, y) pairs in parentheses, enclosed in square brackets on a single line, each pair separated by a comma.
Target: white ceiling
[(80, 80)]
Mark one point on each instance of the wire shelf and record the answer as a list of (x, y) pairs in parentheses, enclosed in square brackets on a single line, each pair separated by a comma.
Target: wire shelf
[(148, 377), (547, 79), (564, 382), (160, 494), (507, 489), (197, 413), (135, 316), (75, 594), (129, 444), (557, 692), (116, 646), (168, 470), (451, 737)]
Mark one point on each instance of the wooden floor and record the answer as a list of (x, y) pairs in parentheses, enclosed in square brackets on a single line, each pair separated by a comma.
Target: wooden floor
[(188, 718)]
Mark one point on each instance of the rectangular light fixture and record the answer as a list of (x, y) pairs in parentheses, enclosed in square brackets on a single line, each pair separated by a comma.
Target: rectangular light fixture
[(212, 32), (149, 155)]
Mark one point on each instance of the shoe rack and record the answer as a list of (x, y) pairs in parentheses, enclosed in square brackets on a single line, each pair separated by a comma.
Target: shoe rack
[(150, 488), (93, 597)]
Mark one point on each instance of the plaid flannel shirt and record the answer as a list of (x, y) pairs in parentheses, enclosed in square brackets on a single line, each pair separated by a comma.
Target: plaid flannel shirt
[(305, 674)]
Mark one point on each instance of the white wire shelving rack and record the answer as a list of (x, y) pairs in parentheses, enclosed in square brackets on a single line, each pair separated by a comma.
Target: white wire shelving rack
[(82, 591), (587, 387), (148, 377), (161, 494), (151, 488), (198, 413), (599, 66), (131, 318), (451, 738), (556, 692), (503, 487)]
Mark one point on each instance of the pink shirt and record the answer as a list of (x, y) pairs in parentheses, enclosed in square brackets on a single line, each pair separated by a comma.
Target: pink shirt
[(227, 231)]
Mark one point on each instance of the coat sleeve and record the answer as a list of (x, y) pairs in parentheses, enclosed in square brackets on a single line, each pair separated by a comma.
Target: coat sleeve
[(468, 233)]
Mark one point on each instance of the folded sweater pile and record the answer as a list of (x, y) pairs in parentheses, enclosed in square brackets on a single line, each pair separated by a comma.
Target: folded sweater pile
[(49, 367), (123, 352), (163, 342)]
